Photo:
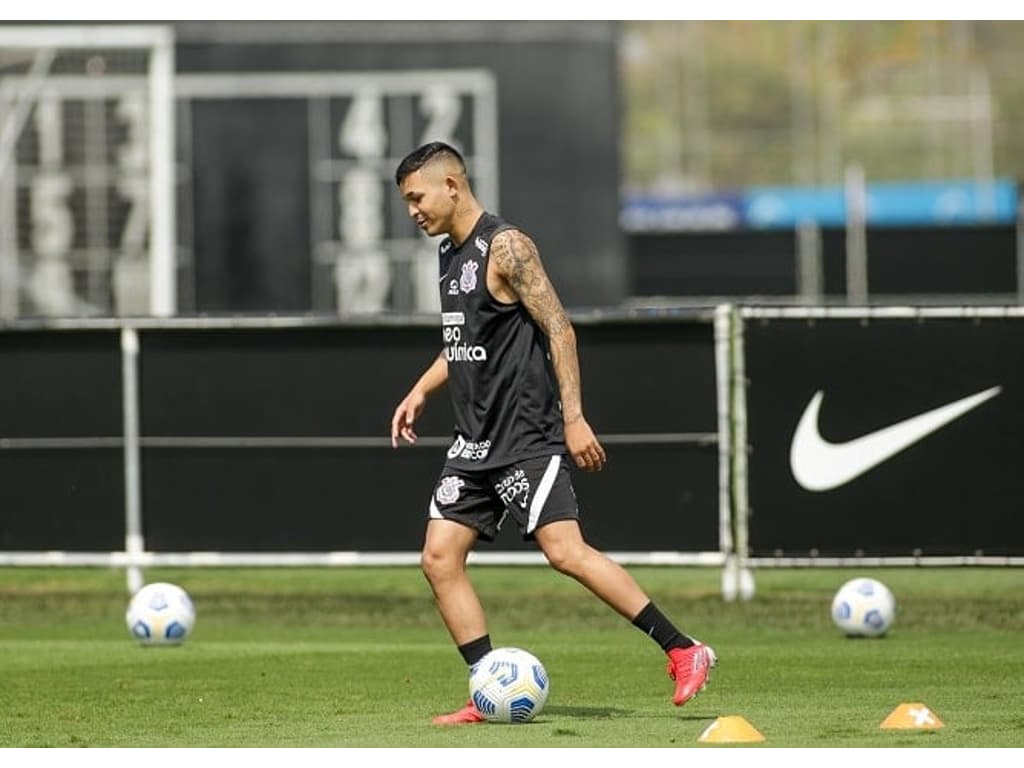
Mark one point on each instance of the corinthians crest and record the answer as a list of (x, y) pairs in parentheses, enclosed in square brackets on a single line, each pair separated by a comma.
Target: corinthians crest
[(448, 489), (468, 280)]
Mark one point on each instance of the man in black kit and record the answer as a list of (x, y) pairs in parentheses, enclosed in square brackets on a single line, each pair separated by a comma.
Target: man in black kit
[(510, 363)]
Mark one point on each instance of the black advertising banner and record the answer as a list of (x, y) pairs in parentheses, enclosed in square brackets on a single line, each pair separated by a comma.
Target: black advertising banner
[(240, 385), (275, 437), (885, 436)]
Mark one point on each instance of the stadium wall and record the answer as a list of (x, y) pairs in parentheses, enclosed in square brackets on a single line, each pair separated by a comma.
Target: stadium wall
[(265, 441)]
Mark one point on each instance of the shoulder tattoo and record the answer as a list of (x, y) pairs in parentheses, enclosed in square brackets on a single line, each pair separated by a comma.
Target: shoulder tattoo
[(519, 263)]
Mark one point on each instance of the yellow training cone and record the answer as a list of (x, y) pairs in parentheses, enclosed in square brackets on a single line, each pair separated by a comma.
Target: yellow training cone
[(728, 729), (912, 715)]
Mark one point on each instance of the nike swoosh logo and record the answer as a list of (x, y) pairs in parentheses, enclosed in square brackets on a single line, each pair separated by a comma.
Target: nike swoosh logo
[(819, 465)]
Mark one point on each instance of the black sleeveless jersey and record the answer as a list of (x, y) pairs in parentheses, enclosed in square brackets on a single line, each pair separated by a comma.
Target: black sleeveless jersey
[(503, 388)]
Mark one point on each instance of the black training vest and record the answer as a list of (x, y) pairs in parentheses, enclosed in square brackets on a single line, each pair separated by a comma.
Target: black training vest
[(503, 388)]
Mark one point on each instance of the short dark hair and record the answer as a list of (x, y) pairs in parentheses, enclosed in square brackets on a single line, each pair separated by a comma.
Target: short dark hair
[(420, 157)]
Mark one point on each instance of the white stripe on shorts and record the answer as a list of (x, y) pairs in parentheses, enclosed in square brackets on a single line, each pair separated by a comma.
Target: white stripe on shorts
[(435, 513), (541, 496)]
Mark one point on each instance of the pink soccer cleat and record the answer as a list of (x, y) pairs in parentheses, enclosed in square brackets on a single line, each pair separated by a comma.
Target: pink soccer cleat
[(690, 668), (468, 714)]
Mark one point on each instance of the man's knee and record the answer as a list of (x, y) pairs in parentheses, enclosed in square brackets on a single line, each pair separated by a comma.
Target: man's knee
[(445, 550), (436, 562), (563, 546)]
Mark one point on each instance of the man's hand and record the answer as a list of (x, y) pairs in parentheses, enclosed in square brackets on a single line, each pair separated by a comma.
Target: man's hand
[(583, 446), (405, 416)]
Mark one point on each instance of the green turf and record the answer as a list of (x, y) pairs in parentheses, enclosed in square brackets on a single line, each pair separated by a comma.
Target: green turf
[(357, 657)]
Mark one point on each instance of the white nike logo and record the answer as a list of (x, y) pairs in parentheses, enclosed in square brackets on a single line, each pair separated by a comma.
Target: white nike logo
[(819, 465)]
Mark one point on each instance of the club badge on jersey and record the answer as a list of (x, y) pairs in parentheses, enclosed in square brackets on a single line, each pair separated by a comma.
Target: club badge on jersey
[(468, 280)]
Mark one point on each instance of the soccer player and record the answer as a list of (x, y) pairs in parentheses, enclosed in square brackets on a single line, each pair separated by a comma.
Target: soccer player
[(510, 363)]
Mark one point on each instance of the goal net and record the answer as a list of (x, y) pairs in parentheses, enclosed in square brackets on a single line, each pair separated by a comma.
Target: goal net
[(86, 171)]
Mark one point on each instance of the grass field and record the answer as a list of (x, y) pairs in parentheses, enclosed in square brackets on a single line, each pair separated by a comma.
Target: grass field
[(358, 657)]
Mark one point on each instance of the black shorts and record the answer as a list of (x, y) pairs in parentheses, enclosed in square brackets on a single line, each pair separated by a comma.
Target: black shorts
[(534, 491)]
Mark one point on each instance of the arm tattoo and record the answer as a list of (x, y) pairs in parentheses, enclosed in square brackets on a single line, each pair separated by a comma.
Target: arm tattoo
[(518, 262)]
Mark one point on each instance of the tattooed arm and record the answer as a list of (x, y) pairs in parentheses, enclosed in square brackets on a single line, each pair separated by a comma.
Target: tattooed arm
[(519, 275)]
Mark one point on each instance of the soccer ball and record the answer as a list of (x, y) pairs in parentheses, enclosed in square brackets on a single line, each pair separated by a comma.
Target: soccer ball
[(863, 607), (160, 614), (509, 685)]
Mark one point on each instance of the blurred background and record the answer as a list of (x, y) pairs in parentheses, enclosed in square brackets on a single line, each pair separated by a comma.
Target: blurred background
[(247, 167)]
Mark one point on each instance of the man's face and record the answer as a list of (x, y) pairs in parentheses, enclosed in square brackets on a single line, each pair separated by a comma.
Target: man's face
[(429, 200)]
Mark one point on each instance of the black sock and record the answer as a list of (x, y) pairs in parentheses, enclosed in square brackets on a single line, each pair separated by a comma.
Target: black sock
[(475, 650), (652, 622)]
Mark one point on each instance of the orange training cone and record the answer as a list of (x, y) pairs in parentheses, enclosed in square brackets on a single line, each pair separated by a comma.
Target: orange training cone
[(730, 729), (912, 715)]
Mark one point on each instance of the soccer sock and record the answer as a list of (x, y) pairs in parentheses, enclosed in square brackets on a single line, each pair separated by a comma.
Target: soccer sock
[(475, 650), (653, 622)]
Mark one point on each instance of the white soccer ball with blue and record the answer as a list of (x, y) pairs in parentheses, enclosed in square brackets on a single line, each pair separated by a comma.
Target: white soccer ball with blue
[(160, 614), (509, 685), (864, 607)]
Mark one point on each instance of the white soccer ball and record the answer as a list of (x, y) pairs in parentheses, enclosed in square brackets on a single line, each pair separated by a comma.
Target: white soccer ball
[(864, 607), (509, 685), (160, 614)]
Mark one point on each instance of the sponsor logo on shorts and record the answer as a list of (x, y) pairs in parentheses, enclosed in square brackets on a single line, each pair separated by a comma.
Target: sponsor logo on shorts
[(448, 489), (514, 486)]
